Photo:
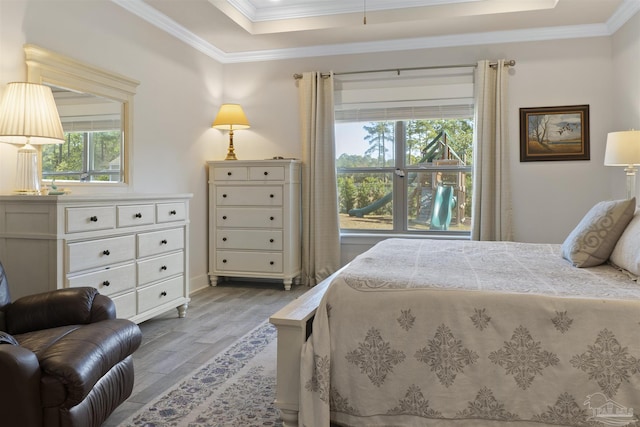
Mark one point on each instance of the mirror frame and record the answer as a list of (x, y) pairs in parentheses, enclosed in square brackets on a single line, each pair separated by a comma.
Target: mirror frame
[(47, 67)]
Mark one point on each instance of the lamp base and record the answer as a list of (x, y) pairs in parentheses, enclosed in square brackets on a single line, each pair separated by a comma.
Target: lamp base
[(27, 177), (231, 153)]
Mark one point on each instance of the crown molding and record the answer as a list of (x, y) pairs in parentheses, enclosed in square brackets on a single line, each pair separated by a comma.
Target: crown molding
[(309, 10), (154, 17)]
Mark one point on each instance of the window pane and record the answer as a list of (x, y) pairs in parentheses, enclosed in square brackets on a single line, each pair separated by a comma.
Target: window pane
[(84, 156), (437, 200), (365, 144), (365, 200), (429, 140)]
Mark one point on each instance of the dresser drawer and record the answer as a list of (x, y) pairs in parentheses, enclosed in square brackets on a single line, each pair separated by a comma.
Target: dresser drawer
[(168, 212), (129, 216), (90, 219), (266, 173), (269, 240), (153, 269), (160, 293), (99, 253), (109, 281), (125, 305), (255, 262), (249, 196), (249, 217), (159, 242), (230, 174)]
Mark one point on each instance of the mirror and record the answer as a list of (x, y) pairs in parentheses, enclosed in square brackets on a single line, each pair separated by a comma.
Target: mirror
[(96, 110)]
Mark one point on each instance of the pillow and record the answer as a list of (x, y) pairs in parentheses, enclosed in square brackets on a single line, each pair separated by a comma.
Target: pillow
[(626, 253), (593, 239)]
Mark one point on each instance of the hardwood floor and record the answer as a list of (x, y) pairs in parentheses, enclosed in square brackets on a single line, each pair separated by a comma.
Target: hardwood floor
[(217, 316)]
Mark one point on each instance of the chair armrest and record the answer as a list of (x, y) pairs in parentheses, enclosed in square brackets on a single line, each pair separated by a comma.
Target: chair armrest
[(62, 307), (20, 392), (103, 308)]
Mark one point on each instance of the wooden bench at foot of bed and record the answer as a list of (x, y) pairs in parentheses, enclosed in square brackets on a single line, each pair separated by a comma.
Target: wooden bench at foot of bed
[(293, 323)]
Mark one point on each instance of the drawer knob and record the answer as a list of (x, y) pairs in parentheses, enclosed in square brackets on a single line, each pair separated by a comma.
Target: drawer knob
[(224, 217), (163, 293), (272, 196), (224, 261), (106, 283), (224, 239), (172, 212), (163, 241), (272, 218), (106, 252), (271, 240), (271, 262), (93, 219), (229, 173), (224, 196), (138, 215), (266, 173), (163, 268)]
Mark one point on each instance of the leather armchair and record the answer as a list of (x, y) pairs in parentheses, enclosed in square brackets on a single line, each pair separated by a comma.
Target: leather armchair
[(65, 360)]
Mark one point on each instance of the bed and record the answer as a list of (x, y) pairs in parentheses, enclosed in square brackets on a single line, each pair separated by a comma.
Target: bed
[(421, 332)]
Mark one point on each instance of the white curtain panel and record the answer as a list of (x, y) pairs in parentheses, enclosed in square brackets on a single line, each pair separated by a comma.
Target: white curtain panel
[(320, 223), (491, 219)]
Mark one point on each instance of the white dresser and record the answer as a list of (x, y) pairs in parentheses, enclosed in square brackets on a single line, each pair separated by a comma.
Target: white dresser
[(254, 219), (132, 247)]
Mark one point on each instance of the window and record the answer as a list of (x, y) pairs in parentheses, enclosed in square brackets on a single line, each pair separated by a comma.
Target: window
[(404, 153)]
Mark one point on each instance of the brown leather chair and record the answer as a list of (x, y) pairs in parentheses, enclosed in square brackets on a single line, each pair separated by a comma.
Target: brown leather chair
[(65, 360)]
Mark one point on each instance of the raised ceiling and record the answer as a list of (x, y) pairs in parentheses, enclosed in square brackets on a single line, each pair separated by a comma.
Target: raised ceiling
[(255, 30)]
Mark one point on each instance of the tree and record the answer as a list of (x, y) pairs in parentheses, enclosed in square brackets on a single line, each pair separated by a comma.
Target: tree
[(379, 134), (538, 127)]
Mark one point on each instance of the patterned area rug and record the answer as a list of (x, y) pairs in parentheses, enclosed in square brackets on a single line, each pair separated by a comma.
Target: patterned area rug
[(235, 388)]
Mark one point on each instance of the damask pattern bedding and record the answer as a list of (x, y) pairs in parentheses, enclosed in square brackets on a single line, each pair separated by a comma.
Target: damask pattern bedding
[(425, 332)]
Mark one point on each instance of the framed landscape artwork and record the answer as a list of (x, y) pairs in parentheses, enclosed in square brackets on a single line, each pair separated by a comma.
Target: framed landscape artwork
[(554, 133)]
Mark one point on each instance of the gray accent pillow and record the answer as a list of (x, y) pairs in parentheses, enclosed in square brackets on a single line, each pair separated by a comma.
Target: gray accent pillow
[(626, 253), (593, 239)]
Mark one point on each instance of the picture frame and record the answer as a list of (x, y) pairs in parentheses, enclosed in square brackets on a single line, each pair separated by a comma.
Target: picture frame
[(554, 133)]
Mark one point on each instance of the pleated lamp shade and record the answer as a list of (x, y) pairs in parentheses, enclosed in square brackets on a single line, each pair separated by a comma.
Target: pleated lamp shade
[(29, 116)]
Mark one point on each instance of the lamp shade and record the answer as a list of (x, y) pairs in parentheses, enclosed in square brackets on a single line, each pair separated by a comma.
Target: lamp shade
[(28, 114), (623, 148), (231, 117)]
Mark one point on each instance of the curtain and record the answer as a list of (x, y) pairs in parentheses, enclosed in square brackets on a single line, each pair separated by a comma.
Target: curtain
[(320, 223), (491, 218)]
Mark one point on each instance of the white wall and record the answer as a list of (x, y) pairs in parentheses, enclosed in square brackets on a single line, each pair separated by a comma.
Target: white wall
[(178, 97), (181, 90)]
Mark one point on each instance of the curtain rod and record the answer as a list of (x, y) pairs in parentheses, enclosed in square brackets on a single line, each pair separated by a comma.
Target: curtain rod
[(507, 63)]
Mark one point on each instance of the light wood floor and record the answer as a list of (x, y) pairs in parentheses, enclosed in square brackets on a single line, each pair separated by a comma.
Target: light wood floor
[(217, 316)]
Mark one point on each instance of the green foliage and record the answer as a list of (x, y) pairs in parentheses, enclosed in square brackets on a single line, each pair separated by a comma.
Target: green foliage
[(346, 193)]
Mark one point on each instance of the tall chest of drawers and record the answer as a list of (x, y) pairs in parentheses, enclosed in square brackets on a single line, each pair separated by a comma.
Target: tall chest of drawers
[(254, 219), (133, 248)]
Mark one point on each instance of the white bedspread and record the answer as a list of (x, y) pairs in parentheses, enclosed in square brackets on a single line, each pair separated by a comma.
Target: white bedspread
[(428, 332)]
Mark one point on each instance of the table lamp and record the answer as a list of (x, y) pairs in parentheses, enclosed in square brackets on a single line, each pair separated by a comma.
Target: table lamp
[(230, 117), (623, 149), (29, 116)]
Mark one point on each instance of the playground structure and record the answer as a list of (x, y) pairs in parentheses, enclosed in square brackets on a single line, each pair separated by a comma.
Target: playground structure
[(439, 201)]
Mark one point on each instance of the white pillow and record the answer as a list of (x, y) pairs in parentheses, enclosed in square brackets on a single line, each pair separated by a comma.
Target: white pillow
[(626, 253), (593, 239)]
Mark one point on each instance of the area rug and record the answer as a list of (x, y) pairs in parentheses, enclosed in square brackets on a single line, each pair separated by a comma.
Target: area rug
[(235, 388)]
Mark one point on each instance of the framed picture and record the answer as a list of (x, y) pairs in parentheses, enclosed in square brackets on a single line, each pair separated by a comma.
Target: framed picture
[(554, 133)]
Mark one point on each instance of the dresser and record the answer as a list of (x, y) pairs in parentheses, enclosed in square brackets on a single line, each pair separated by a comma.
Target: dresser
[(254, 219), (133, 248)]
